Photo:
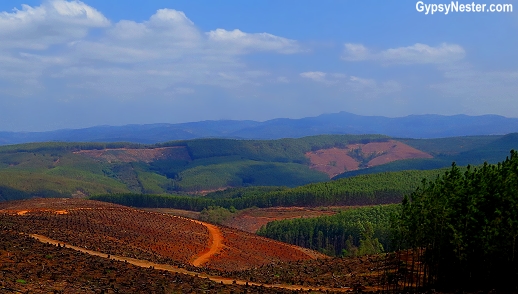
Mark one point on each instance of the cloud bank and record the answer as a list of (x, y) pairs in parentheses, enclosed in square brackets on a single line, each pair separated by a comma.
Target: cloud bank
[(415, 54), (53, 42)]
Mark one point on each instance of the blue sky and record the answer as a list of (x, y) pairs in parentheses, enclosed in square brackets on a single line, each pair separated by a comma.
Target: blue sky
[(72, 64)]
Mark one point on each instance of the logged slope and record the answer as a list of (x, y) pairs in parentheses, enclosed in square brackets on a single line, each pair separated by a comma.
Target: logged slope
[(335, 161), (115, 229), (461, 150), (30, 266), (141, 154), (48, 266)]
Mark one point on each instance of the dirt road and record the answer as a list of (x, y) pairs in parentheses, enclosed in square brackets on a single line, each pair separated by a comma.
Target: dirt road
[(216, 240), (148, 264)]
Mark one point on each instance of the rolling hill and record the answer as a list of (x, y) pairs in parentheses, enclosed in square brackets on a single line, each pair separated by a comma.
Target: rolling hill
[(104, 248), (177, 241), (202, 165), (461, 150)]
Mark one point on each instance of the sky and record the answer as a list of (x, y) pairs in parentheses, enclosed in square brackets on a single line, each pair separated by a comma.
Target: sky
[(74, 64)]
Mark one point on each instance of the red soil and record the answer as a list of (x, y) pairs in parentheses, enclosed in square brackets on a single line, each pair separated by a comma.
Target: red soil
[(132, 155), (215, 246), (335, 161), (251, 220), (243, 250), (169, 268), (392, 151), (119, 230), (332, 161)]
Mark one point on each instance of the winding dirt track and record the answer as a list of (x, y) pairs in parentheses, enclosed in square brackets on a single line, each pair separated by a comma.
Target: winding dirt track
[(204, 257), (216, 245)]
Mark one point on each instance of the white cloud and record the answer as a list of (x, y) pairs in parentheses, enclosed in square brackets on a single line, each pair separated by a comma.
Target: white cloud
[(125, 58), (356, 52), (369, 87), (415, 54), (282, 80), (480, 92), (316, 76), (53, 22), (239, 41)]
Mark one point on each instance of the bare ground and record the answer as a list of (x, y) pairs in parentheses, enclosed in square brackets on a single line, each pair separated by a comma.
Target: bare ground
[(334, 161)]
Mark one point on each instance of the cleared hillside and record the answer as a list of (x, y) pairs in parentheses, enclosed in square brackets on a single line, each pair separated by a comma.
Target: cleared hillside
[(335, 161), (113, 229)]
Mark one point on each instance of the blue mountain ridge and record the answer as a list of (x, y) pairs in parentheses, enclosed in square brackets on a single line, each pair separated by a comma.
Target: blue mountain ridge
[(412, 126)]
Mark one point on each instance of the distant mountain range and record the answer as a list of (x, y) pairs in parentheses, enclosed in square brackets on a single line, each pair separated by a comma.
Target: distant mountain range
[(413, 126)]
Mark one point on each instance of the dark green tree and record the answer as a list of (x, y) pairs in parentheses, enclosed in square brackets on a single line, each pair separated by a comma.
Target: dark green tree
[(468, 225)]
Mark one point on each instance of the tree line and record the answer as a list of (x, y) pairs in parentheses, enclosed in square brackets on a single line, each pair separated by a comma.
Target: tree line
[(383, 188), (351, 232), (467, 222)]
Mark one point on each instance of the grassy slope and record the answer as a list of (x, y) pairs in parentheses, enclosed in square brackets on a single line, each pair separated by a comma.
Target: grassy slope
[(48, 168), (214, 163)]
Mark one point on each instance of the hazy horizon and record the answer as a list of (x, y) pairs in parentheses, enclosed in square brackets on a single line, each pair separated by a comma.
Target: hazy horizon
[(77, 64), (259, 121)]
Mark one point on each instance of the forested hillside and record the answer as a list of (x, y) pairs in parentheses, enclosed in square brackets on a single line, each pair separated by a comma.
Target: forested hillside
[(372, 189), (204, 165), (67, 169), (457, 231), (467, 221), (351, 232)]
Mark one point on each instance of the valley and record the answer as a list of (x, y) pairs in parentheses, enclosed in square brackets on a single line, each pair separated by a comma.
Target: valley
[(198, 166), (224, 215)]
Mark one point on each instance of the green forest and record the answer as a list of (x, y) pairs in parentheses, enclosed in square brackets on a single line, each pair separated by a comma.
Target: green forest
[(372, 189), (60, 170), (463, 226), (467, 222), (57, 169), (351, 232)]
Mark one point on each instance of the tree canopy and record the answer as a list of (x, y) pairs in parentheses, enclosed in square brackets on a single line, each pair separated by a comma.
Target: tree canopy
[(468, 224)]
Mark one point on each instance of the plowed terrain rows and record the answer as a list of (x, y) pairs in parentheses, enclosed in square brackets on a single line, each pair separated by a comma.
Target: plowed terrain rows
[(148, 264), (241, 249), (119, 230), (29, 266), (113, 228)]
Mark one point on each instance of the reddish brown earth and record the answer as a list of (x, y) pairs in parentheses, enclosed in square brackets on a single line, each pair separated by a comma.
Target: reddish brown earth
[(215, 245), (29, 266), (332, 161), (120, 262), (243, 250), (115, 229), (335, 161), (132, 155), (251, 220), (177, 212), (392, 151)]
